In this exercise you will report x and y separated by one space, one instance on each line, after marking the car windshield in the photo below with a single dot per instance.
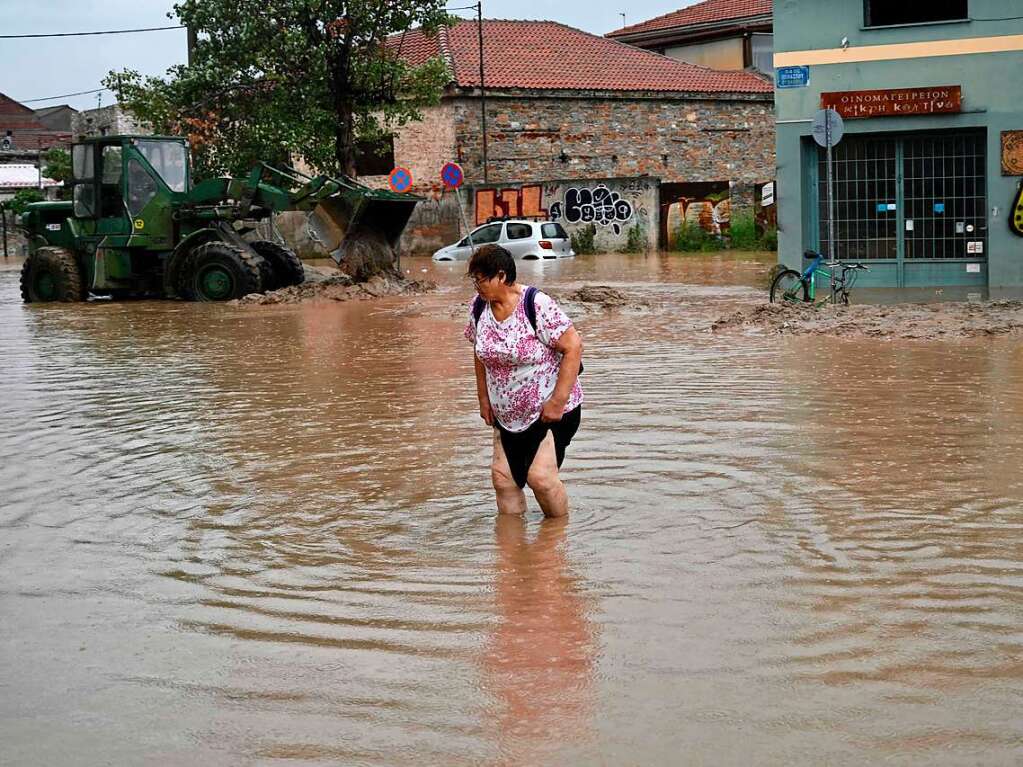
169 159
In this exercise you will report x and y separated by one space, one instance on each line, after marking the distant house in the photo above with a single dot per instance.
22 134
584 130
111 120
722 34
56 118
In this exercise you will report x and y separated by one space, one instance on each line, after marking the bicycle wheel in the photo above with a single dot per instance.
788 287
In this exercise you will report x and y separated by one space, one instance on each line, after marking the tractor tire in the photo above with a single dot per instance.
217 271
285 267
51 274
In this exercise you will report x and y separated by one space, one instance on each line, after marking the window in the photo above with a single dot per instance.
553 232
85 200
169 159
375 158
762 53
111 165
884 13
141 187
519 231
484 235
82 162
111 203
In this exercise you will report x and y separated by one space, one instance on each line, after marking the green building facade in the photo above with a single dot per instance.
927 173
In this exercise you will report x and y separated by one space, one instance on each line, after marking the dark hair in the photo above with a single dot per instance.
488 260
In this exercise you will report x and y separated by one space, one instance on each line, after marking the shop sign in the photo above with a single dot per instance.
897 102
1012 153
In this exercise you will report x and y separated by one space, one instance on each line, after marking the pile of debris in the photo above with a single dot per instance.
911 321
332 285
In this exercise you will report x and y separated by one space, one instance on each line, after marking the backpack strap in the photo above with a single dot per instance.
529 304
478 305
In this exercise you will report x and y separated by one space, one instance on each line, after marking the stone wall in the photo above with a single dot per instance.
106 121
536 138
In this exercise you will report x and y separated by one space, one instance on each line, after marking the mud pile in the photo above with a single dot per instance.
601 295
919 321
326 285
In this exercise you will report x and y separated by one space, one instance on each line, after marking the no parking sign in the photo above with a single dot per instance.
400 180
452 176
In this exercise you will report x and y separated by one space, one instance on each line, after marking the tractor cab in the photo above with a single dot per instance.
124 187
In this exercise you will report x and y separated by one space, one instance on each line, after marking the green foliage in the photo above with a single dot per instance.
275 78
744 235
57 165
21 200
695 239
636 242
582 240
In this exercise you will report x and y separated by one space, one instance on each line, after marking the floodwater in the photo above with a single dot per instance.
264 535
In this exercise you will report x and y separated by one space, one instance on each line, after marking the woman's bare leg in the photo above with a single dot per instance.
510 498
544 481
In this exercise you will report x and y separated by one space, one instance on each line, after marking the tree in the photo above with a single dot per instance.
57 165
21 200
274 78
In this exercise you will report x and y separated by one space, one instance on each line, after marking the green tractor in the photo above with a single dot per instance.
137 226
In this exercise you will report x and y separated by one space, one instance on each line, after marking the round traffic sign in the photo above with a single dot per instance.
452 176
400 180
828 127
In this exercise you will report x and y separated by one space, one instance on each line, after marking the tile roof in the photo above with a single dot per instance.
546 55
707 12
26 130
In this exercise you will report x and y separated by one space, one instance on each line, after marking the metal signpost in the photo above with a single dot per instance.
452 176
828 129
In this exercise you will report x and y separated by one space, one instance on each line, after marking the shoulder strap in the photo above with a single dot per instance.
478 305
529 304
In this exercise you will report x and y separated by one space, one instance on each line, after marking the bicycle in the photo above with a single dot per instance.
791 286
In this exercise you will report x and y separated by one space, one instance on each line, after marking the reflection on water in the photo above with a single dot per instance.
539 660
248 535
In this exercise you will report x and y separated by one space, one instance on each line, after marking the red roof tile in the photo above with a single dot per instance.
546 55
707 12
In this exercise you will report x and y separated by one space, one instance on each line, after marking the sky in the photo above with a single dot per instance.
39 68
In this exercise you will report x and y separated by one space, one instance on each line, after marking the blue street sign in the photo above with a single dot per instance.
792 77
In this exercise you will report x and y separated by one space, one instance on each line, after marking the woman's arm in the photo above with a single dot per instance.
570 345
486 411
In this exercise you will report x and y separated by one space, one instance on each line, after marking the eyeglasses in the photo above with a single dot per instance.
477 280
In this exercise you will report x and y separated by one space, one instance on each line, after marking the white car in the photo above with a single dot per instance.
527 240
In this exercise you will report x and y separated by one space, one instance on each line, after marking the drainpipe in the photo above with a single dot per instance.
483 87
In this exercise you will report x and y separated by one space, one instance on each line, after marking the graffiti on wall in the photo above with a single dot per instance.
514 202
598 205
703 205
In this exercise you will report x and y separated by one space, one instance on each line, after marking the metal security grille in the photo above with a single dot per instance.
945 200
865 183
936 210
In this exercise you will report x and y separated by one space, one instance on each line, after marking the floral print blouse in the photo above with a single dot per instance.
522 367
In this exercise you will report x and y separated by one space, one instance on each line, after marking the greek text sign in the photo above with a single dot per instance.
852 105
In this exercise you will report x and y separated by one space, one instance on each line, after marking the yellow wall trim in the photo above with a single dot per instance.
851 55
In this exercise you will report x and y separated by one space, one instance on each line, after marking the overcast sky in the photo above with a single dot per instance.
36 68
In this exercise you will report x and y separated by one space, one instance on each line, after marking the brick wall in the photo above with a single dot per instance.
423 147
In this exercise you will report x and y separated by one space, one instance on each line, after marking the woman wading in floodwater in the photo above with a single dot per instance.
528 360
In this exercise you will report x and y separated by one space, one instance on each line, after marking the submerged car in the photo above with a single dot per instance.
526 240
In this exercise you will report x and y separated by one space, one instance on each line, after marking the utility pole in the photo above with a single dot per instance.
191 44
483 88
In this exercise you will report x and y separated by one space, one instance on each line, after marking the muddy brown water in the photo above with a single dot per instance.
259 535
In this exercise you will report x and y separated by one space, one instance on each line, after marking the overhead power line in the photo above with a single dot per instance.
63 96
85 34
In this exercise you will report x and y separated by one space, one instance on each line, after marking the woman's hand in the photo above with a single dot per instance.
486 412
553 409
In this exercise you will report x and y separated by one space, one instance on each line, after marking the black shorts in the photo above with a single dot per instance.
521 447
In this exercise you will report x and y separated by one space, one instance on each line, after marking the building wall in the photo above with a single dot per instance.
716 54
105 121
990 102
550 139
614 206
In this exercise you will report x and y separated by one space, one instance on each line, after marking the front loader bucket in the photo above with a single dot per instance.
361 216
